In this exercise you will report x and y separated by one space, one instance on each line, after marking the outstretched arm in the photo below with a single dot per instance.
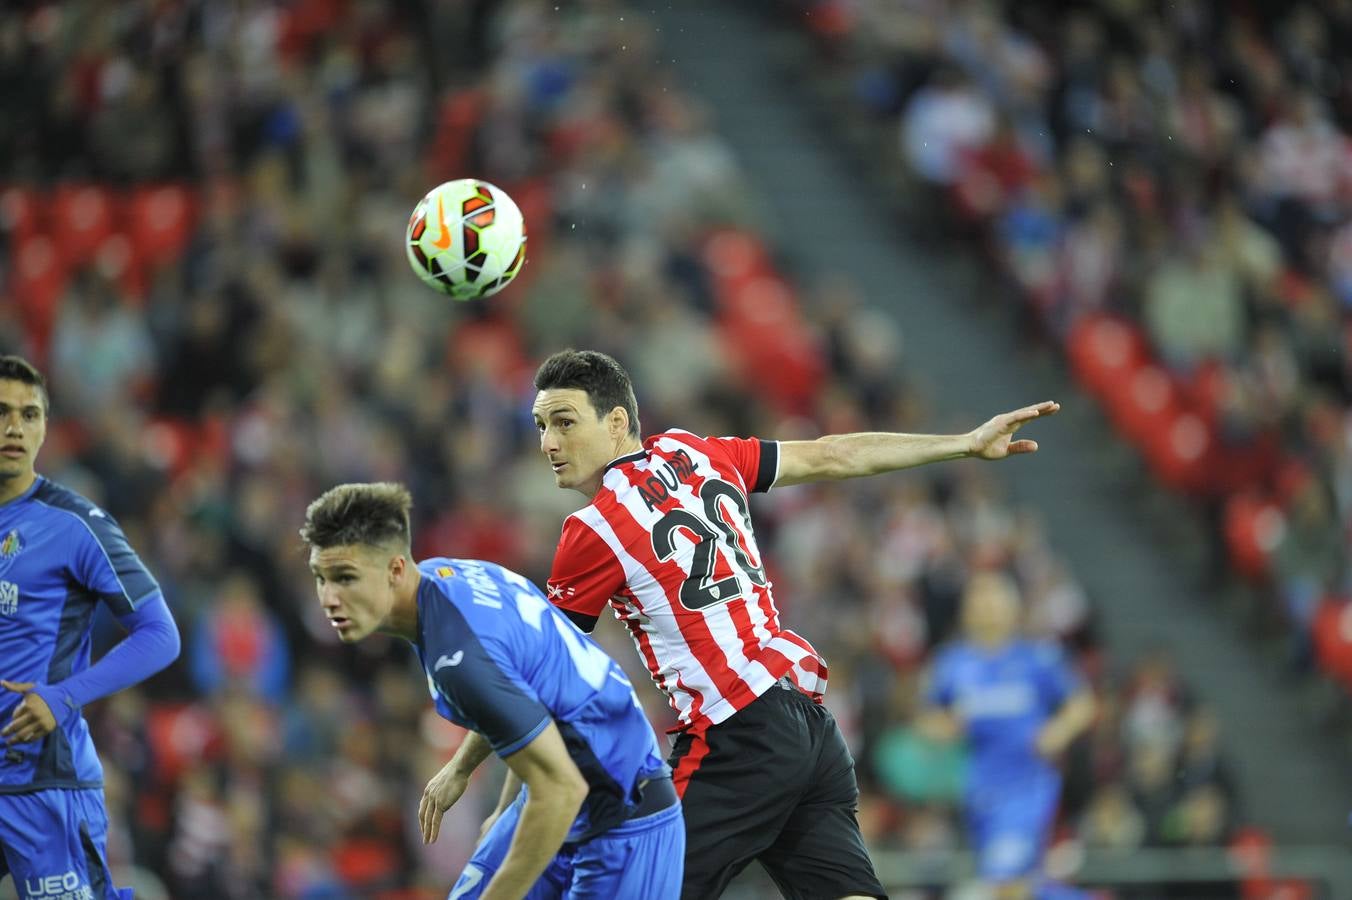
840 456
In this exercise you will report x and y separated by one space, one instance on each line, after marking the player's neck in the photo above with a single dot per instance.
16 486
623 448
403 618
626 445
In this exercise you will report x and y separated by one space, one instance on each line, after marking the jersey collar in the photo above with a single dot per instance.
32 489
628 457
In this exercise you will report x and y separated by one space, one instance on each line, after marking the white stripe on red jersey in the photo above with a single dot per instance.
667 541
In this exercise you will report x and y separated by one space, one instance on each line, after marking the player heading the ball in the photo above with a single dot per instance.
667 543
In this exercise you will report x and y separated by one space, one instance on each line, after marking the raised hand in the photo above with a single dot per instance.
994 439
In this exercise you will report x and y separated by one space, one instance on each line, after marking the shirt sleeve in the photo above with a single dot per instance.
501 708
585 574
152 643
756 460
106 564
1057 680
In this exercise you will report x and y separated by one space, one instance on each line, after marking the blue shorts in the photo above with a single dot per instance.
53 844
1010 827
644 858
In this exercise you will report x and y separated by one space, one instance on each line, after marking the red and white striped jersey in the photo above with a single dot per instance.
668 543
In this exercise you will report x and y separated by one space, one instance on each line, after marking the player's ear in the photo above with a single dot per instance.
397 565
618 422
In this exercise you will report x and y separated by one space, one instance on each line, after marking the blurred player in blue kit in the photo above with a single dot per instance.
588 809
1018 704
60 557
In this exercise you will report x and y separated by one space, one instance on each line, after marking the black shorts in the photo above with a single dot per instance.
774 783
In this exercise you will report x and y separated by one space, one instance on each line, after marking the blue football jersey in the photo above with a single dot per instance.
502 661
1004 697
60 556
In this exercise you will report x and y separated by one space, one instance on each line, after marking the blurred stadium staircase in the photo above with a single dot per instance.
1138 550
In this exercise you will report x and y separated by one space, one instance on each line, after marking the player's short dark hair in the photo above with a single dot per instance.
605 381
16 368
376 515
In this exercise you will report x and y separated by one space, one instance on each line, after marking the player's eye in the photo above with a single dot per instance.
31 415
565 423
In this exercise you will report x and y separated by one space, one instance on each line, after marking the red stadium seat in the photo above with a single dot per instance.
117 262
1332 633
180 736
457 121
22 212
1292 477
489 347
159 222
302 22
760 323
770 344
1253 462
1251 851
170 444
734 257
1143 402
81 220
37 282
1252 525
1206 389
1103 350
366 861
762 301
1179 453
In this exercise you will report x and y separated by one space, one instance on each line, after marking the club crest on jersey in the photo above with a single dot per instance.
10 547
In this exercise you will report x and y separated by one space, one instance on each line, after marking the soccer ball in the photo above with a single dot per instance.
466 238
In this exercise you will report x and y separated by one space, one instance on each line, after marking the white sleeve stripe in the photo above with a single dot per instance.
779 461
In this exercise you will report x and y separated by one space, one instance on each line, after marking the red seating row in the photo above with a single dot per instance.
128 235
1173 425
1109 356
767 340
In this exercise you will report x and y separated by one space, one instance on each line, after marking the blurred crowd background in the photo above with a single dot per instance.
1167 188
201 213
